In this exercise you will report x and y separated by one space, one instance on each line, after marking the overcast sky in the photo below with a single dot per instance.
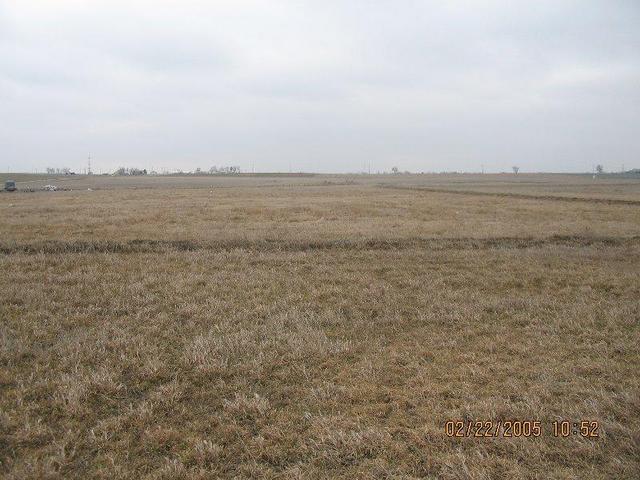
320 85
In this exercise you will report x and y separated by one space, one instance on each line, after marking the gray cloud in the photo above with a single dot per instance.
330 86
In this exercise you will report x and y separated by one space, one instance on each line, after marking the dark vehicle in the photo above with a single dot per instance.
10 186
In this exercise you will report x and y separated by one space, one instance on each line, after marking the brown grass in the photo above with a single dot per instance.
181 334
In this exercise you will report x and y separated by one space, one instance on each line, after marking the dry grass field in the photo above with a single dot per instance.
318 326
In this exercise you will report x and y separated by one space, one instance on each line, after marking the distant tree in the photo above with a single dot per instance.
515 169
395 170
599 169
213 169
229 170
130 171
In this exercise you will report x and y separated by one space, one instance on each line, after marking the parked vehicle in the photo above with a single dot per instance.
10 186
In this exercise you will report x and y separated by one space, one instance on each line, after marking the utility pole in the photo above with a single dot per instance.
89 165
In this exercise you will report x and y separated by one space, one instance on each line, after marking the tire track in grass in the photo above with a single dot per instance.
521 196
55 247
